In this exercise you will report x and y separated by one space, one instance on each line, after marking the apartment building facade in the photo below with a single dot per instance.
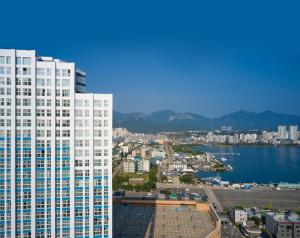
55 150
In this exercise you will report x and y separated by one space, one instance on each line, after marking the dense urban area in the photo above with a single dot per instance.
162 167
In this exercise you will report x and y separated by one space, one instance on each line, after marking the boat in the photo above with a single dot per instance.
223 159
230 167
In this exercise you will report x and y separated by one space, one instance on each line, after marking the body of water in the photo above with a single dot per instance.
260 164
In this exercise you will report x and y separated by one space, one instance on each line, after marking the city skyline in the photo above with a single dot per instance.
209 59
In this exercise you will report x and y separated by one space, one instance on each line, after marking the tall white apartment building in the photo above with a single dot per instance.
293 132
55 150
282 132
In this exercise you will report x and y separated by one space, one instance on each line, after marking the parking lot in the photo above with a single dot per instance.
283 199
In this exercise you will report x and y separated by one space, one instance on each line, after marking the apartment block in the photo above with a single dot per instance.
55 150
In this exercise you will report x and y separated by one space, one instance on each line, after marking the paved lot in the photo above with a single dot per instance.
180 221
259 198
161 221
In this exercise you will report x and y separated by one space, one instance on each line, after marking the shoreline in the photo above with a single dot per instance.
199 178
244 145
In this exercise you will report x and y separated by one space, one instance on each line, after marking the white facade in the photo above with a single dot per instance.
238 216
282 132
293 133
178 165
146 165
128 166
126 149
283 225
158 153
55 165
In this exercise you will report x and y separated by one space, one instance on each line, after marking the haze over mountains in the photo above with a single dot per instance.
169 120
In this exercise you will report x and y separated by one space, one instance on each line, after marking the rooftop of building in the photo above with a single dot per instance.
161 220
45 59
285 217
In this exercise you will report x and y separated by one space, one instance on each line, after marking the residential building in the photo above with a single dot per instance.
146 165
145 153
238 216
158 153
178 165
282 132
126 149
293 133
129 165
283 225
55 150
138 164
155 161
251 230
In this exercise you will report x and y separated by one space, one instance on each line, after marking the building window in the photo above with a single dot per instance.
40 72
8 59
26 71
65 93
19 60
66 72
40 82
97 103
27 61
2 70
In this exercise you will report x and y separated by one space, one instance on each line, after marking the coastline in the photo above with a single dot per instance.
243 145
259 164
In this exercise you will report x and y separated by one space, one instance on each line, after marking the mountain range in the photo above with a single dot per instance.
169 120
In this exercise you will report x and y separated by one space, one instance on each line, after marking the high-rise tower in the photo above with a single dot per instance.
55 150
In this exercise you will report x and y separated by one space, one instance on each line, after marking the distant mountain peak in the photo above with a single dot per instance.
181 116
170 120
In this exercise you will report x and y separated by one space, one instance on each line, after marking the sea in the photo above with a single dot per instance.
259 164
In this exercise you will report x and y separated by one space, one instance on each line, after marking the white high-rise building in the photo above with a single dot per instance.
55 150
293 132
282 132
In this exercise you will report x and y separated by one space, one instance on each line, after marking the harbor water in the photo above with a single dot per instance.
260 164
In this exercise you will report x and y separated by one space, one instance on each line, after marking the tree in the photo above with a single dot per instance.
187 178
256 220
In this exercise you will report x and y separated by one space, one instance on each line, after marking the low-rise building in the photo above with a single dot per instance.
145 153
178 165
251 230
155 161
283 225
126 149
146 165
128 166
136 181
138 164
238 216
158 153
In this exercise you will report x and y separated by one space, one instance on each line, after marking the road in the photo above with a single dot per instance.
169 155
164 167
213 199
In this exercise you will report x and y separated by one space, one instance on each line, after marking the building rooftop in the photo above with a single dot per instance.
285 217
168 221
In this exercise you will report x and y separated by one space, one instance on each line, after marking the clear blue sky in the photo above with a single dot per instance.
209 58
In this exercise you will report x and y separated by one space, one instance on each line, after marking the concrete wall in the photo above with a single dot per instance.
216 233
